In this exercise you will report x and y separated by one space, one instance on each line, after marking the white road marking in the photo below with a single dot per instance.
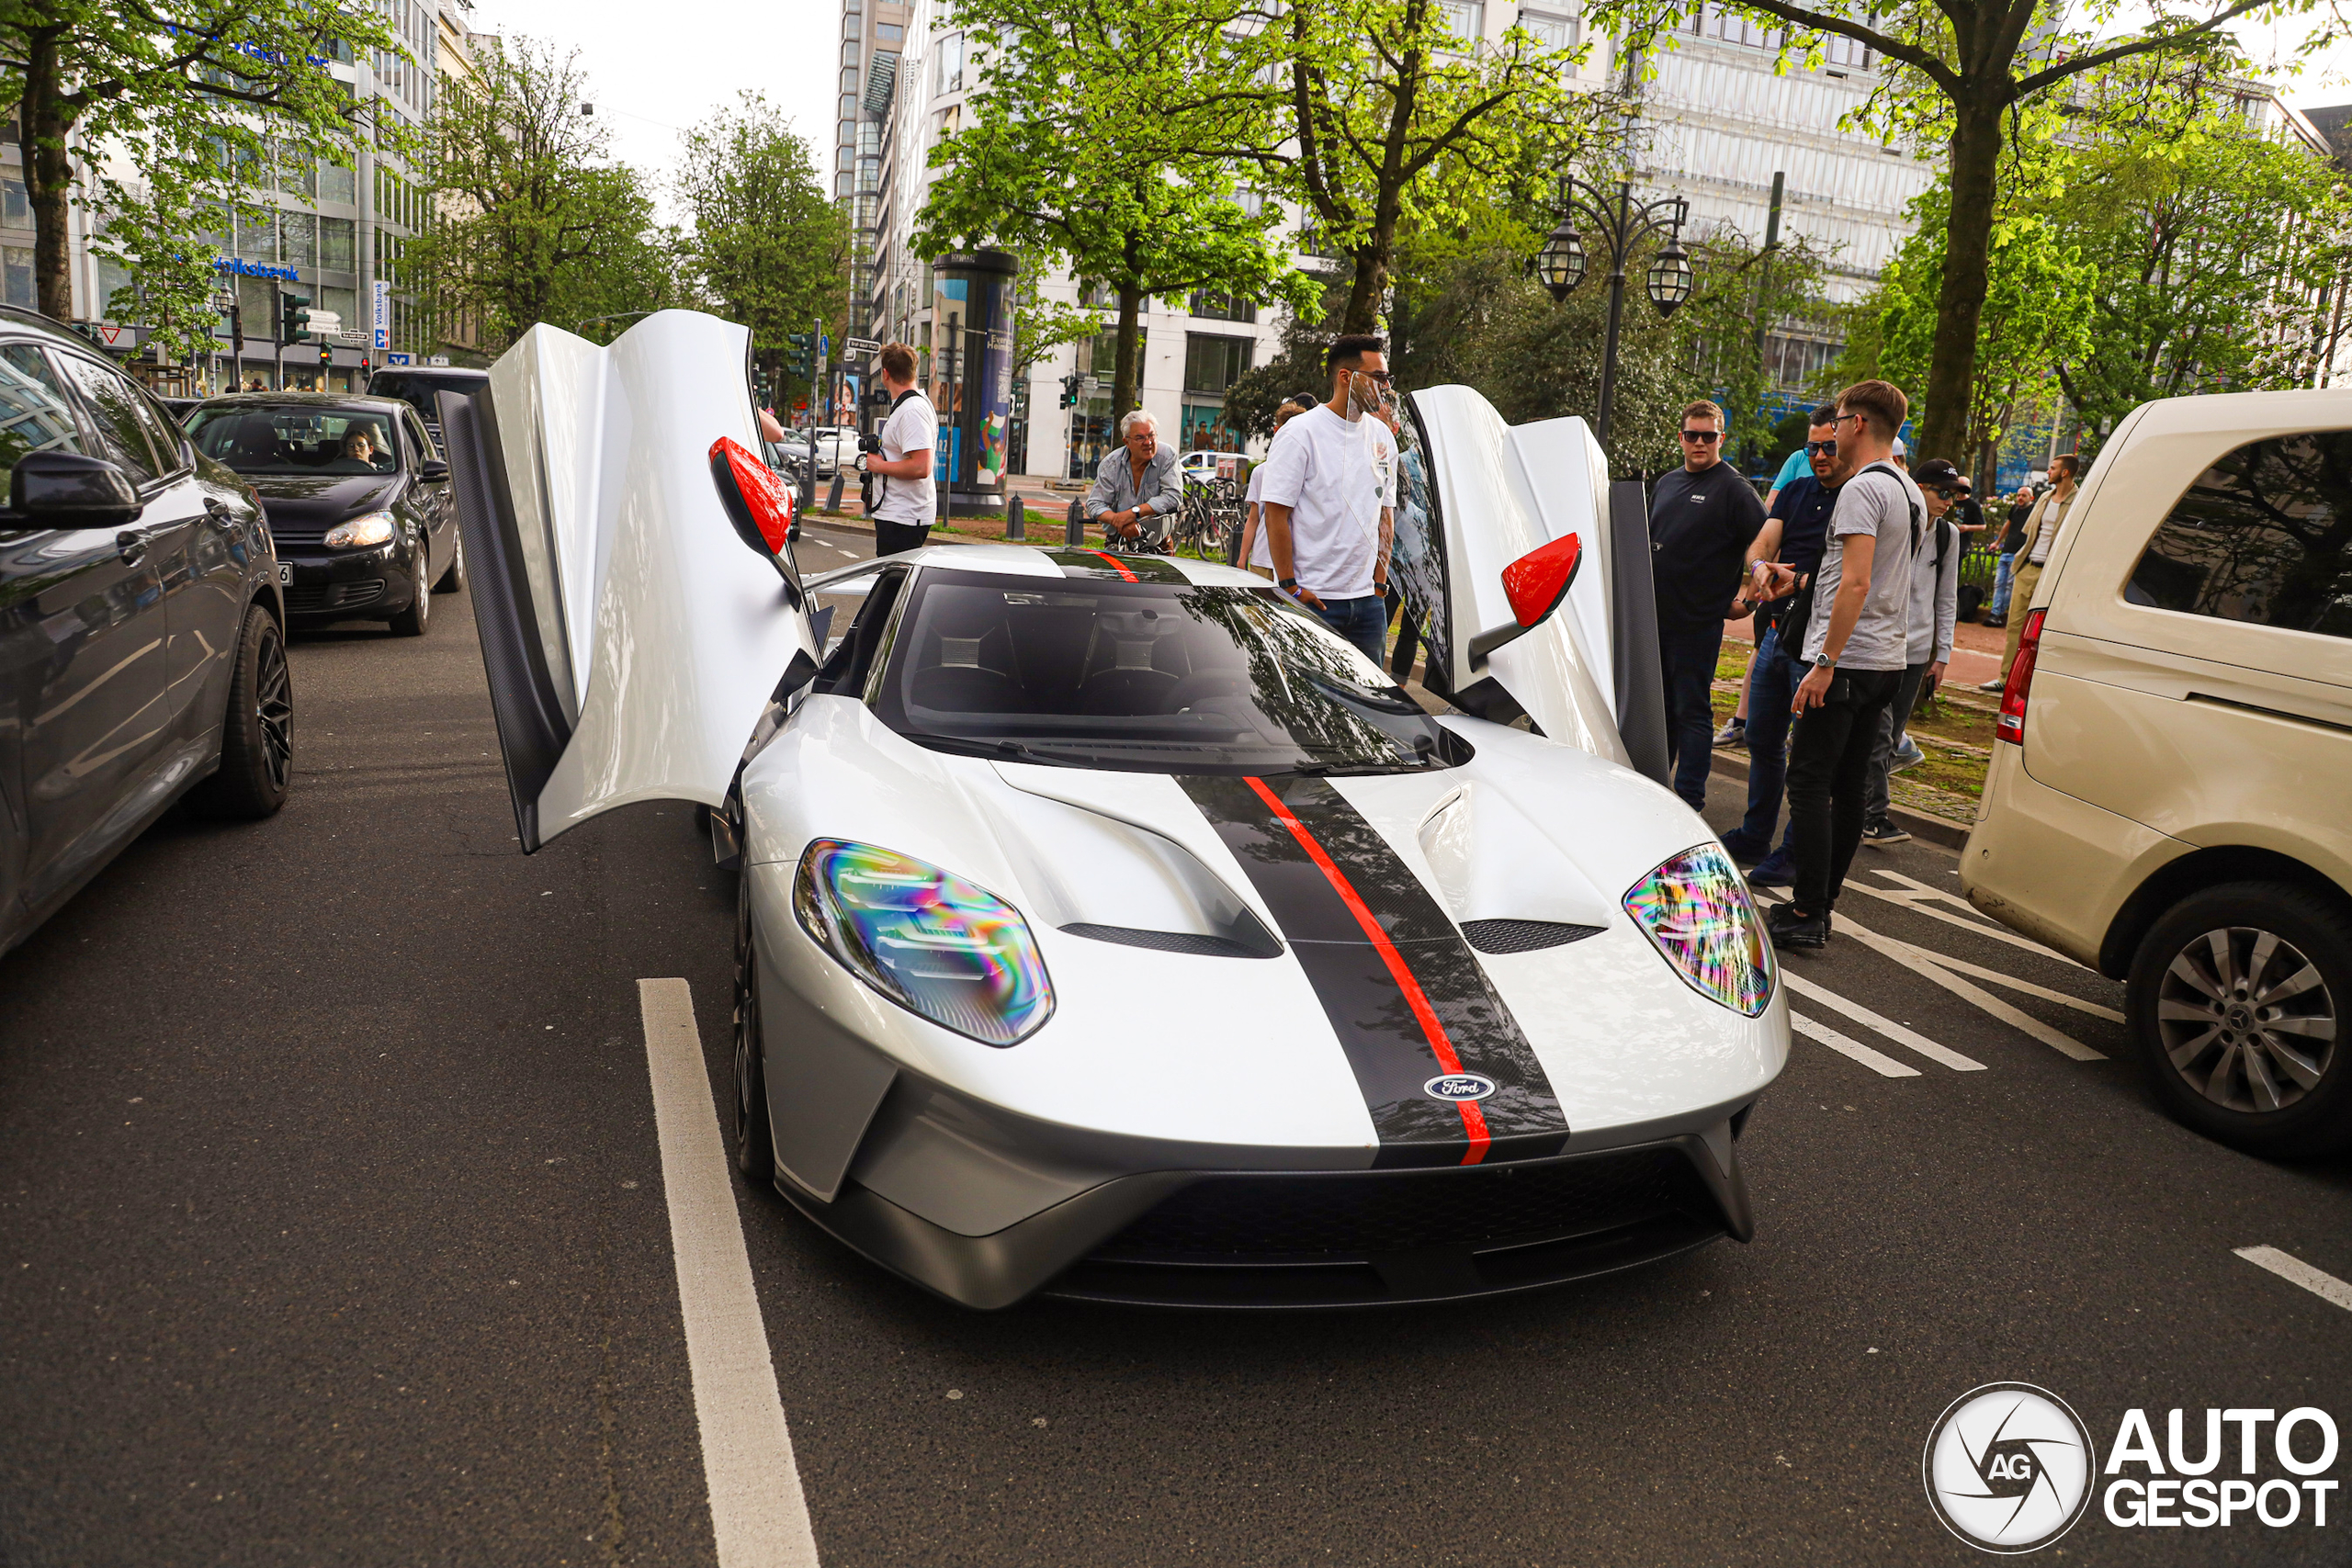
1946 961
2286 1266
1876 1061
757 1509
1885 1026
1922 903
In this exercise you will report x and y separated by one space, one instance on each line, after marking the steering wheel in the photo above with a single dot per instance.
1189 691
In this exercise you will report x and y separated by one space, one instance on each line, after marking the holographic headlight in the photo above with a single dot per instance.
932 942
1696 911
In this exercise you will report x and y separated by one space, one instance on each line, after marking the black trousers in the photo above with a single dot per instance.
1829 782
889 539
1686 657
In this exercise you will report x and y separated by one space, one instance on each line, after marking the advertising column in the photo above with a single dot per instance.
972 321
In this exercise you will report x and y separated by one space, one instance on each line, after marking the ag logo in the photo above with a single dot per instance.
1458 1086
2008 1467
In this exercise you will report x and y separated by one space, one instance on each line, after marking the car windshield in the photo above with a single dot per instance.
1149 676
296 439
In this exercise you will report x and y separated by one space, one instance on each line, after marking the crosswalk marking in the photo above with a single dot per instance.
1945 960
1884 1026
2286 1266
1923 905
1876 1061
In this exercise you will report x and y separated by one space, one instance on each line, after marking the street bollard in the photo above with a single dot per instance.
1016 517
1074 531
833 496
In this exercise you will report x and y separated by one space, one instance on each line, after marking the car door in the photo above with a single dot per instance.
631 639
86 636
430 494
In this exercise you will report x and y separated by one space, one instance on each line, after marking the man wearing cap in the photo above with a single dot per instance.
1935 605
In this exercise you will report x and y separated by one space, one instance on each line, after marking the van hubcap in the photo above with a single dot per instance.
2247 1020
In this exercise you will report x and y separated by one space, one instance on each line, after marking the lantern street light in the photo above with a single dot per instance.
1620 225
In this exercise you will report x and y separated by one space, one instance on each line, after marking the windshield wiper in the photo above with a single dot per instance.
969 745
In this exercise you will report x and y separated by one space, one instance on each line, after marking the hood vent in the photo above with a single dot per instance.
1524 936
1252 941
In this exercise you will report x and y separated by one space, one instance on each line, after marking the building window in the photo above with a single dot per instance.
2263 536
948 72
1551 32
15 210
888 32
1213 364
849 25
1466 19
298 240
1223 307
17 266
337 183
258 235
337 253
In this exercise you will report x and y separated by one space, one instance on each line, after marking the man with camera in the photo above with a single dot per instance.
901 458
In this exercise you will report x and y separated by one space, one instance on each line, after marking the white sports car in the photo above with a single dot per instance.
1110 928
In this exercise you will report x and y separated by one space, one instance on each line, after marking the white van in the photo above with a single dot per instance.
2170 798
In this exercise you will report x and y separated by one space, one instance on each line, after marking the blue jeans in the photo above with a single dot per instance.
2003 577
1363 622
1770 689
1686 658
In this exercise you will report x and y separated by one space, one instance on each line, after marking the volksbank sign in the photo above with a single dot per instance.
255 269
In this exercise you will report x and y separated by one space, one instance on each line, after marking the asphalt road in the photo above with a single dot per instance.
333 1231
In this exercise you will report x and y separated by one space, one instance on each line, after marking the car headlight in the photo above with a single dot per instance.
374 528
1696 912
930 942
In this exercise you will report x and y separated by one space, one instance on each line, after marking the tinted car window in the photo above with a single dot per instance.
421 389
303 439
162 431
2264 535
34 413
114 408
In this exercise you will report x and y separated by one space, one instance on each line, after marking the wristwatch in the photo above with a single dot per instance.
1287 585
1825 661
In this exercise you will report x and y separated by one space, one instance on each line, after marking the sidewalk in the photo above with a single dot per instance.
1976 651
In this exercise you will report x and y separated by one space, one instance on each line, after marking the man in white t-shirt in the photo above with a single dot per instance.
1325 501
1253 551
910 437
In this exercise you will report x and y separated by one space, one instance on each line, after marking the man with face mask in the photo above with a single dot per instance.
1325 501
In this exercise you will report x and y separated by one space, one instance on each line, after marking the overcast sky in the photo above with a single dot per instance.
656 68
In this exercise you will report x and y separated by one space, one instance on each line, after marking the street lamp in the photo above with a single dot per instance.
1620 225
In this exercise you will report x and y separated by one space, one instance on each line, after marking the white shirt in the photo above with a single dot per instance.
1327 472
912 427
1384 459
1261 553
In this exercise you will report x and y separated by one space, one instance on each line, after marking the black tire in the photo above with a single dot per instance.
2236 1002
754 1137
418 617
256 730
454 579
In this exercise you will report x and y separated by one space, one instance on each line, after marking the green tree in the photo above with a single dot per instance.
534 224
180 84
1124 171
770 247
1960 72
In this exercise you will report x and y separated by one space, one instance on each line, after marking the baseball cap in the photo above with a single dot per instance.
1901 450
1936 472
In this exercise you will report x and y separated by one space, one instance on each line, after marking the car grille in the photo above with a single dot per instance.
316 598
1524 936
1359 1238
306 534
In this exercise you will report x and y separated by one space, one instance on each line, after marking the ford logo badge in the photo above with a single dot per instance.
1458 1086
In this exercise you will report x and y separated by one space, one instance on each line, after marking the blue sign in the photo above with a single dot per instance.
256 269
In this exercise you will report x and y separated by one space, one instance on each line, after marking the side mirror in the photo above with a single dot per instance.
432 469
759 504
1534 583
70 489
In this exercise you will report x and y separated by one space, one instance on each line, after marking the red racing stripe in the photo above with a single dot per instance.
1116 562
1473 1122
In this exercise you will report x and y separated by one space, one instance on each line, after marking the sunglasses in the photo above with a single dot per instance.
1945 490
1821 448
1706 437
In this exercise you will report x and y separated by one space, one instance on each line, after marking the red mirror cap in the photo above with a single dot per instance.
757 499
1538 580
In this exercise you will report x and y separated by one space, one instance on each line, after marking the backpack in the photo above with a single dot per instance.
1793 627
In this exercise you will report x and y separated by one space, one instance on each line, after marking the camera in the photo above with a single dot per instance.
869 444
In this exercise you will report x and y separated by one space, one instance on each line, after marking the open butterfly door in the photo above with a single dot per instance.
634 618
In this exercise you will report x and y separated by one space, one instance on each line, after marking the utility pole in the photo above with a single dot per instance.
1764 281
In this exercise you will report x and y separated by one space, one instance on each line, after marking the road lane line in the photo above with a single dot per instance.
1913 902
1945 960
2286 1266
1876 1061
757 1509
1886 1026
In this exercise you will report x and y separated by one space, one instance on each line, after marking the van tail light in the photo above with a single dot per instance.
2010 725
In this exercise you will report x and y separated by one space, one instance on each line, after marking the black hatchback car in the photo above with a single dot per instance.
357 496
142 646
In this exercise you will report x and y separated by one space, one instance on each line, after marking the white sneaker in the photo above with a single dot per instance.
1906 755
1997 683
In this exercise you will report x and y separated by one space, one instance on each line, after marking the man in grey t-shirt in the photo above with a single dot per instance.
1857 641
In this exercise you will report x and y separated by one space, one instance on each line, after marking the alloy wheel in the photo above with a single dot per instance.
274 705
2246 1019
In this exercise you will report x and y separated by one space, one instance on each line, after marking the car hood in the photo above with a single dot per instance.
299 505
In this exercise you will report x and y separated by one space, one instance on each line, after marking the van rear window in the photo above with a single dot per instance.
2264 535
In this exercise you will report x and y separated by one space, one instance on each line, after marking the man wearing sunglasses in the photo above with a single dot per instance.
1702 517
1326 504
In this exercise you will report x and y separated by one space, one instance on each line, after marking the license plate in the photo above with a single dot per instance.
285 572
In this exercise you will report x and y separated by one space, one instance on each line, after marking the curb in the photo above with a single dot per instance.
1920 824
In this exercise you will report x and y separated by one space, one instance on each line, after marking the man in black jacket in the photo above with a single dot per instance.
1702 517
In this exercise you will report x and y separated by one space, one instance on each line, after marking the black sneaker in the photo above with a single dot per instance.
1789 929
1884 833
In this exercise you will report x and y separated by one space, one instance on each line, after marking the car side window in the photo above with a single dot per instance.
2263 536
113 403
34 413
162 431
417 437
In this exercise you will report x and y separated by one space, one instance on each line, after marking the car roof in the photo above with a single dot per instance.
464 372
49 327
1050 561
373 405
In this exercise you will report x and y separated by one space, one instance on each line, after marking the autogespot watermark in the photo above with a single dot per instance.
2009 1468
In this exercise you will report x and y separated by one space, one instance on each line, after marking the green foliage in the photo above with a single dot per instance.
770 246
1741 293
534 225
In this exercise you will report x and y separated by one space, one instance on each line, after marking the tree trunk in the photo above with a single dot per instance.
1125 371
1975 152
49 174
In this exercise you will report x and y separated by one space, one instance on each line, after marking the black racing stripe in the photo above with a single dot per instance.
1386 1047
1094 563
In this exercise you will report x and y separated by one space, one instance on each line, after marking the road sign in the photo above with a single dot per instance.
390 358
438 359
859 345
324 323
382 317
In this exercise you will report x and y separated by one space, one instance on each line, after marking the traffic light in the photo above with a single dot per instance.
326 353
366 365
800 355
290 308
1069 391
